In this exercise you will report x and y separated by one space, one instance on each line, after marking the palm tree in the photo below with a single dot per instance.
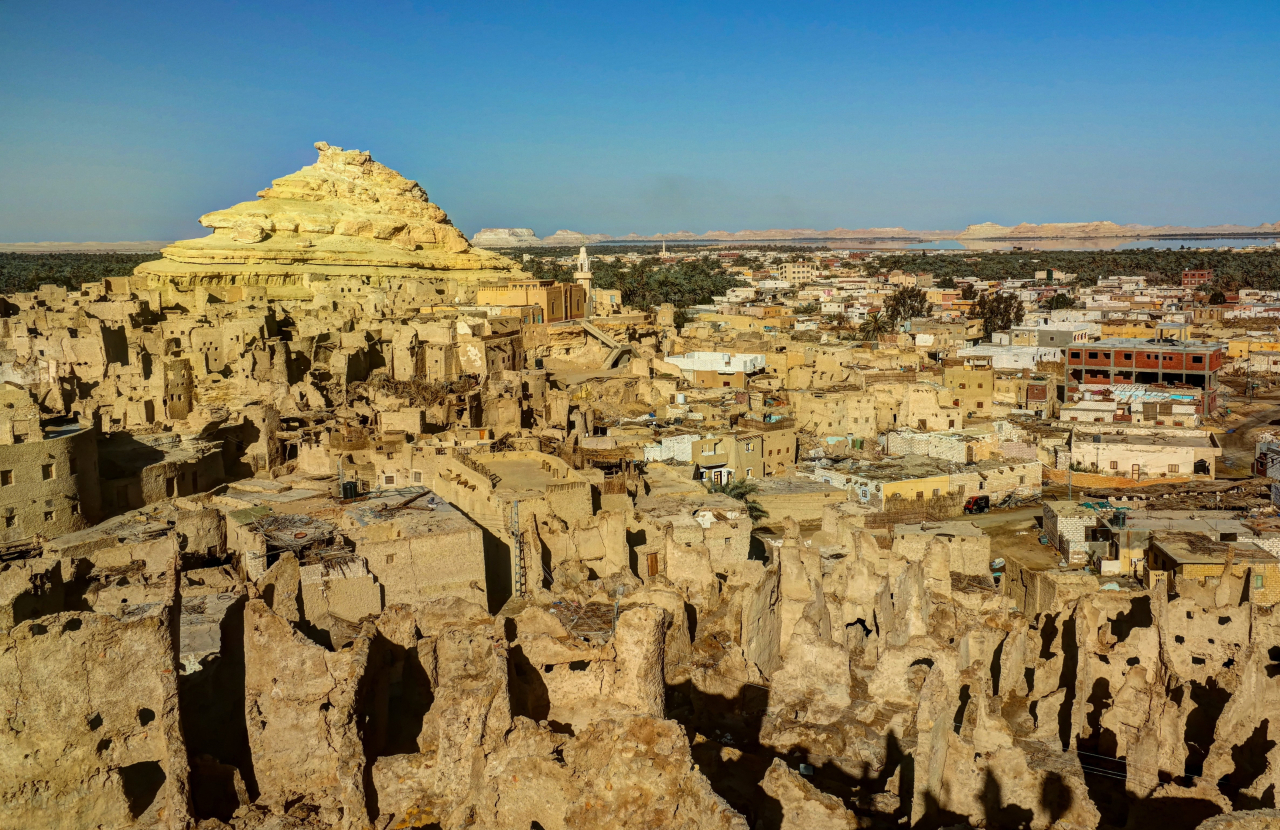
875 325
741 489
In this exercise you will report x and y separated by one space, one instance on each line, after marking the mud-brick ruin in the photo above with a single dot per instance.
302 529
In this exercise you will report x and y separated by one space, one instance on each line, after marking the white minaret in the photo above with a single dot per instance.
583 278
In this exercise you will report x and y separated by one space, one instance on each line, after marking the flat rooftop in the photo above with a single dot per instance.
530 473
908 467
1191 548
1138 343
1150 440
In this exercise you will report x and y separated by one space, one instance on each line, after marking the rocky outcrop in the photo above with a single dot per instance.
1243 820
346 216
574 238
505 238
804 806
524 237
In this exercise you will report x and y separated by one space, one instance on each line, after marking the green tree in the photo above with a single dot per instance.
875 325
906 304
968 292
648 282
947 282
1059 301
1217 297
808 308
741 489
998 312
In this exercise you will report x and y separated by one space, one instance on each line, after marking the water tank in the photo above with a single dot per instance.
349 490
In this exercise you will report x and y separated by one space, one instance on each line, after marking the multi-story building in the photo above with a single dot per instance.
1122 361
558 300
797 271
1195 279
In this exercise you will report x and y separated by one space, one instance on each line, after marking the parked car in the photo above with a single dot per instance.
977 504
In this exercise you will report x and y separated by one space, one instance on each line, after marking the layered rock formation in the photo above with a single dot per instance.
345 217
563 237
525 237
1106 230
505 237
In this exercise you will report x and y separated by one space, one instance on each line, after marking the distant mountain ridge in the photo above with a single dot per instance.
507 237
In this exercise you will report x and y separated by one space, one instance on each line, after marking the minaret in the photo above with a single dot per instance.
583 278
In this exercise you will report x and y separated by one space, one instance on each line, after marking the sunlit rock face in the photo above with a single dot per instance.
346 216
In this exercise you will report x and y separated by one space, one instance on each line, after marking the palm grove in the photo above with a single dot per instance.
998 312
649 282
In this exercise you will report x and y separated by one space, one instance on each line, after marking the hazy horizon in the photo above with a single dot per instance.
129 122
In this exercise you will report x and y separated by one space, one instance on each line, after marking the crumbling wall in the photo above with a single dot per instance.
91 734
300 705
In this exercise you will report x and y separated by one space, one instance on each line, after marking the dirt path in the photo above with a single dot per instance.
1237 445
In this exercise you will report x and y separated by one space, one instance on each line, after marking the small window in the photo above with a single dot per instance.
1115 465
936 492
46 471
75 508
1173 468
979 385
391 558
962 386
1257 578
1075 355
979 404
1128 355
1093 355
1195 358
417 476
1022 479
73 466
8 521
388 479
6 478
48 515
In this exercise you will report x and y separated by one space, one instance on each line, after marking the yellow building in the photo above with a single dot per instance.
558 300
972 388
746 322
1145 330
745 453
1207 559
1238 347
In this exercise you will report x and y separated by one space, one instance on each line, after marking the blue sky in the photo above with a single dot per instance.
127 121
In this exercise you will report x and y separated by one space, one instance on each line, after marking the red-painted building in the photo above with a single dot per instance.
1195 279
1130 360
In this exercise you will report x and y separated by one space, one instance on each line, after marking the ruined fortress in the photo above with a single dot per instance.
300 532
